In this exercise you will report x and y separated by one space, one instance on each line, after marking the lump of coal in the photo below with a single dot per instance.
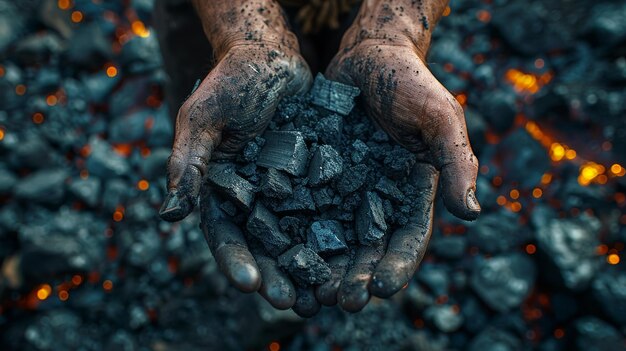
300 201
236 189
329 129
45 186
325 166
333 96
352 179
370 220
285 151
326 237
503 282
276 184
304 265
609 292
263 225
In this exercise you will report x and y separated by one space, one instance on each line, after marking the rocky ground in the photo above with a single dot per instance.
87 264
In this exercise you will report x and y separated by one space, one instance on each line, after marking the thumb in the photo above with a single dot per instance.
451 153
186 167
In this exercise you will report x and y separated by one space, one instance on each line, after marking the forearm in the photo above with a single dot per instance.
397 22
229 23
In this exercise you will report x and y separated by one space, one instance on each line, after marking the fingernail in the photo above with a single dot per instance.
173 209
472 202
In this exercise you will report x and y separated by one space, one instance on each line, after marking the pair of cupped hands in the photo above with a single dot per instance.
235 103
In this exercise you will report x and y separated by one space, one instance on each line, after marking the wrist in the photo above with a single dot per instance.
232 23
403 24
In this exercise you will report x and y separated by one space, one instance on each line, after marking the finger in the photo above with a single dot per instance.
306 305
326 293
407 245
276 287
187 164
451 153
228 245
353 292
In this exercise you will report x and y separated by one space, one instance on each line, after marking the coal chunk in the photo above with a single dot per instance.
360 151
304 265
329 129
263 225
285 151
388 190
326 237
87 190
569 246
503 282
276 184
370 219
353 179
333 96
236 189
609 292
300 200
325 165
593 334
104 162
46 186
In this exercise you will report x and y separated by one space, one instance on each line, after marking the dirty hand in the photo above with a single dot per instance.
383 54
257 63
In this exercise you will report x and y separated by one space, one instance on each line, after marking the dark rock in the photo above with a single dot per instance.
276 184
236 189
285 151
370 219
570 247
593 334
435 278
7 181
89 47
360 151
46 186
325 165
388 190
251 151
499 108
87 190
301 200
292 226
154 165
450 247
39 48
503 282
609 292
333 96
323 198
326 237
104 162
398 162
329 129
497 232
140 55
492 339
130 127
445 317
304 266
263 225
352 179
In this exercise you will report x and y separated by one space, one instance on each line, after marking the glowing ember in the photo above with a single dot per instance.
44 292
51 100
591 171
537 193
531 249
140 29
64 4
38 118
274 346
526 82
64 295
1 134
77 16
107 285
143 185
111 71
20 89
612 259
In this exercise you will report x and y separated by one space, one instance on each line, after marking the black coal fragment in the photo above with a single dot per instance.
325 165
263 225
326 237
300 201
329 129
388 190
304 265
333 96
323 198
285 151
360 152
276 184
370 219
236 189
352 179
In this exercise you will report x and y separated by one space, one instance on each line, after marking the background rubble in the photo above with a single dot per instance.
84 136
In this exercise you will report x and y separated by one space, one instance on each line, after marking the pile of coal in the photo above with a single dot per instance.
322 179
